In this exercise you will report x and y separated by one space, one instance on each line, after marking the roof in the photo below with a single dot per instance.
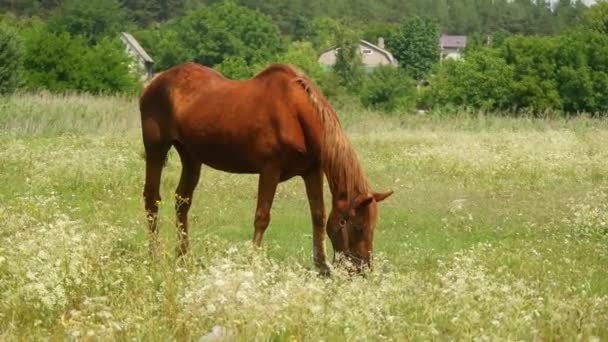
388 55
379 49
448 41
134 44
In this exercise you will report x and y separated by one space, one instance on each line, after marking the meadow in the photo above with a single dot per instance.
498 230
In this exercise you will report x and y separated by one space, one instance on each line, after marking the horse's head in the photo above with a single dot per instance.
350 227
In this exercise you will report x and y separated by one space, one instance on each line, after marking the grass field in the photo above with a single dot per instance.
498 229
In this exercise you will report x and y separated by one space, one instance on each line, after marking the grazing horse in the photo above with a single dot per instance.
276 124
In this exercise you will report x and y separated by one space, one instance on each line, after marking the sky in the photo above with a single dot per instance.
588 2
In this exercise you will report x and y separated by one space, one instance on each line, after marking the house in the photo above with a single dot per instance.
142 60
371 55
452 46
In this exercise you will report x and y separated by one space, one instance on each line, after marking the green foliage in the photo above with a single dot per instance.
147 12
59 62
389 89
482 80
235 68
582 71
11 59
348 67
321 31
380 30
415 46
567 72
165 47
211 34
303 56
216 32
292 17
534 61
93 20
596 18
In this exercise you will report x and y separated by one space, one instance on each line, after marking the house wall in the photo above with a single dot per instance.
143 68
372 59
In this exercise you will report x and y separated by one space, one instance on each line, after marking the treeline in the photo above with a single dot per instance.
522 55
453 16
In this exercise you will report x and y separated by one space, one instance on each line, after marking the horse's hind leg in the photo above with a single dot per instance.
191 170
155 159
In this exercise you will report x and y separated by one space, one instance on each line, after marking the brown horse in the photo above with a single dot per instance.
276 124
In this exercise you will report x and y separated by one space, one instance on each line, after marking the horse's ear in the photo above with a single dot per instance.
363 201
381 196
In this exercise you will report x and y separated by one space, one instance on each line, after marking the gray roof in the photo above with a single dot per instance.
448 41
134 44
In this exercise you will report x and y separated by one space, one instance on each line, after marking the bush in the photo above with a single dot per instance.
60 62
534 79
389 89
482 80
10 60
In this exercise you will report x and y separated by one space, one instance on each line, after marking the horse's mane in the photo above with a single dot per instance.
340 162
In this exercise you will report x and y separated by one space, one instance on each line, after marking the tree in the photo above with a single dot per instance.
303 56
596 18
348 67
59 62
142 12
482 80
321 31
93 20
534 78
235 68
214 33
10 60
416 46
165 46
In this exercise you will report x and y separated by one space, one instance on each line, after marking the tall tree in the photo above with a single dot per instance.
10 60
416 46
596 17
93 20
211 34
348 65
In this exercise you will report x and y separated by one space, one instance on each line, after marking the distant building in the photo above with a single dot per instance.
143 61
371 55
452 46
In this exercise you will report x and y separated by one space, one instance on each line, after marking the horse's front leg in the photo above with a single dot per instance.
267 186
191 171
314 191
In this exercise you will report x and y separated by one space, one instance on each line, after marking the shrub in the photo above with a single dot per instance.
389 89
60 62
482 80
10 60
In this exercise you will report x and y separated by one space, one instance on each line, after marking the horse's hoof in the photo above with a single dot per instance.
324 270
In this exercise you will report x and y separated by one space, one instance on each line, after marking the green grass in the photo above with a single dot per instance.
497 230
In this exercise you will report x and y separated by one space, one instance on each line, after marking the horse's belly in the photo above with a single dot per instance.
249 160
227 158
